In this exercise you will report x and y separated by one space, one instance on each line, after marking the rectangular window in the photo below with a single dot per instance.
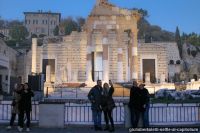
33 21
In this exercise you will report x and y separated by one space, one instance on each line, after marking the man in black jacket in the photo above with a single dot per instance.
134 104
145 99
25 106
95 97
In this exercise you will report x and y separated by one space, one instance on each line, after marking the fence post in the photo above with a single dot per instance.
47 95
123 92
76 92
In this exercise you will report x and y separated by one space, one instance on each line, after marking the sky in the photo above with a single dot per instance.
168 14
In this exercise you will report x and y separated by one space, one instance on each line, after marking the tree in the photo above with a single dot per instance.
56 31
150 32
178 41
18 33
14 23
70 26
2 23
80 22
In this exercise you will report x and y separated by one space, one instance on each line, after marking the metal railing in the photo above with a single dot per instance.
81 113
174 114
6 110
158 115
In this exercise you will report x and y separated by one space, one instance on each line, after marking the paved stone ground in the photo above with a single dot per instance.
71 129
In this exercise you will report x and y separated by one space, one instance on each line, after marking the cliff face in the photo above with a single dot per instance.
191 61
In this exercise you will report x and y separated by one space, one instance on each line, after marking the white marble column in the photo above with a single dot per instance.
89 58
69 72
105 60
48 74
34 55
120 66
147 78
134 60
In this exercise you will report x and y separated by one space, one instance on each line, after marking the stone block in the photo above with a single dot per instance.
52 115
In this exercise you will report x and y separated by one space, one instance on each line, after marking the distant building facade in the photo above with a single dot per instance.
5 32
41 23
8 66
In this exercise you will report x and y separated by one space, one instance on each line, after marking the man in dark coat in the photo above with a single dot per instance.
95 97
145 103
134 104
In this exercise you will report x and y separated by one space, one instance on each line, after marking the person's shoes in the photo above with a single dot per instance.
28 129
8 127
112 129
96 128
100 129
106 128
19 129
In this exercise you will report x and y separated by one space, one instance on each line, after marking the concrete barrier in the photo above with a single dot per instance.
51 115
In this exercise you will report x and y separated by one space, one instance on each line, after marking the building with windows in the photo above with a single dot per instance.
5 32
41 23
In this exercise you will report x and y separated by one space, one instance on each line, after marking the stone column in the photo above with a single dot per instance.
34 55
48 73
162 78
89 58
48 86
120 66
69 72
147 78
105 60
134 59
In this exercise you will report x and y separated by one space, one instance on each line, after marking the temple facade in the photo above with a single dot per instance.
107 48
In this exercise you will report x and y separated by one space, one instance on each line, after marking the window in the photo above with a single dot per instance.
36 21
46 21
33 21
42 21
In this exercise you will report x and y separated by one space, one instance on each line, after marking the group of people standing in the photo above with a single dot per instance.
101 100
21 106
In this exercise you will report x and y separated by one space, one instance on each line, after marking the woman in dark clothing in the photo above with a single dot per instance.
15 103
107 105
25 106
